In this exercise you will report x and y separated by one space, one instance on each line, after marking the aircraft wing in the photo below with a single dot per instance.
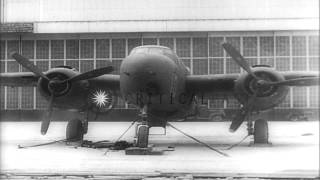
224 83
30 79
18 79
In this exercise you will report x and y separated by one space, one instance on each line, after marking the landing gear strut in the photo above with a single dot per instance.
142 130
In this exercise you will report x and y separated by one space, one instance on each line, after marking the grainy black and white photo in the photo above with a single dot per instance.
159 89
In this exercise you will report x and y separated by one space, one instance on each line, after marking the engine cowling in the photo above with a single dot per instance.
265 97
69 95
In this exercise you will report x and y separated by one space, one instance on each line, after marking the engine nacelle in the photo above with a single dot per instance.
69 95
267 97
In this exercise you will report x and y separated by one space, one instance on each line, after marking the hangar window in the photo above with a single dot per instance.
55 63
299 63
282 46
102 48
132 43
299 98
215 48
102 63
183 47
252 61
314 63
28 49
200 66
116 64
231 66
168 42
2 49
86 48
42 49
299 47
267 61
42 65
285 103
118 48
250 46
235 42
12 98
149 41
283 64
86 65
2 96
186 62
313 45
12 45
41 102
216 65
72 48
12 66
200 47
57 49
266 46
73 64
2 66
314 96
27 98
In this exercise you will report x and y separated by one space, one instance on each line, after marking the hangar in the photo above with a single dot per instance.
86 35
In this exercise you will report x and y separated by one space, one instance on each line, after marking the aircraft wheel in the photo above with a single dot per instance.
75 130
261 134
143 136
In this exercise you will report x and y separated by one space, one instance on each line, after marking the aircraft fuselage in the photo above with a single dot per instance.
153 76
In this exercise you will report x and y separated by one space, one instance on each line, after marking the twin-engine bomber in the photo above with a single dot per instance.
155 80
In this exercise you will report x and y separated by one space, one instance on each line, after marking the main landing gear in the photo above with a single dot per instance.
76 128
260 131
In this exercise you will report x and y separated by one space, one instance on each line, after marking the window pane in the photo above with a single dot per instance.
118 48
149 41
216 103
216 66
27 98
168 42
314 45
250 46
200 66
299 97
314 96
12 45
267 61
12 97
231 66
57 49
102 48
282 64
299 47
72 48
55 63
186 62
42 65
215 48
2 49
2 96
73 64
235 42
28 49
282 46
2 66
314 63
86 65
12 66
116 64
299 63
266 46
183 47
252 61
285 103
42 49
42 103
132 43
86 48
200 47
102 63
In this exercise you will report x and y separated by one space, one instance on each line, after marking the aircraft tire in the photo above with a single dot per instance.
75 130
143 136
261 132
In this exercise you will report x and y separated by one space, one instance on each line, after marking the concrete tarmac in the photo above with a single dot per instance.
294 151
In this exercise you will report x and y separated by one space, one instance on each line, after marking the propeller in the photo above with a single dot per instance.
261 83
55 84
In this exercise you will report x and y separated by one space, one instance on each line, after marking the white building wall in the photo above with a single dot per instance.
65 16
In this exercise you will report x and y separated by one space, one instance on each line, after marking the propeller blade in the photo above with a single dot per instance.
46 121
309 81
92 74
238 120
28 65
238 58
